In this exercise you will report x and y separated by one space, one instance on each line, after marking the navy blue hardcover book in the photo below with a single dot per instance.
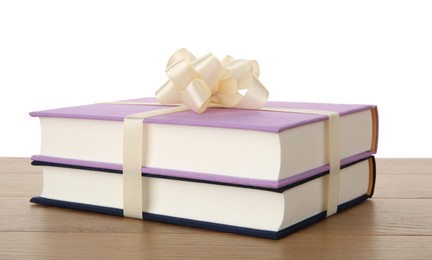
227 207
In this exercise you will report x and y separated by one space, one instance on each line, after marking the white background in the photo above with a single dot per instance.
65 53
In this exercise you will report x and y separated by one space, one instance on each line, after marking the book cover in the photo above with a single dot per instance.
247 119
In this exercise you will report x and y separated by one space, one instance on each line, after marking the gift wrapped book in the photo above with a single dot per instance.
204 155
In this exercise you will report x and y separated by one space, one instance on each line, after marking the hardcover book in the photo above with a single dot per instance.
248 210
232 145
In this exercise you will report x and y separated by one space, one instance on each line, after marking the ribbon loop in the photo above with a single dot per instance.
181 73
255 96
202 82
168 94
208 68
241 70
197 95
180 55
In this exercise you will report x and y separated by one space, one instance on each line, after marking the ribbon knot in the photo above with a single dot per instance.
205 82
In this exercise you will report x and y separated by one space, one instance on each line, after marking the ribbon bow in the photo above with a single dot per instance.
202 82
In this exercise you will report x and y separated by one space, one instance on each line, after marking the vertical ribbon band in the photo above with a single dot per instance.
134 155
333 153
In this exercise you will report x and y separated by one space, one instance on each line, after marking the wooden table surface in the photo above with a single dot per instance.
395 224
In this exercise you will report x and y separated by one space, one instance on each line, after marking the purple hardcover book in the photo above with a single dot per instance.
362 122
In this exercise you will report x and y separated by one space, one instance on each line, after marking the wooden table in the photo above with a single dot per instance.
395 224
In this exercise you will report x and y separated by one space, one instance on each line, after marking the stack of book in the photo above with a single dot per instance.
254 172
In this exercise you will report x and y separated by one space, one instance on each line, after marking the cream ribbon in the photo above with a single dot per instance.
134 158
333 153
197 84
202 82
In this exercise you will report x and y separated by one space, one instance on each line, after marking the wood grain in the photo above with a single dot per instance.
395 224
